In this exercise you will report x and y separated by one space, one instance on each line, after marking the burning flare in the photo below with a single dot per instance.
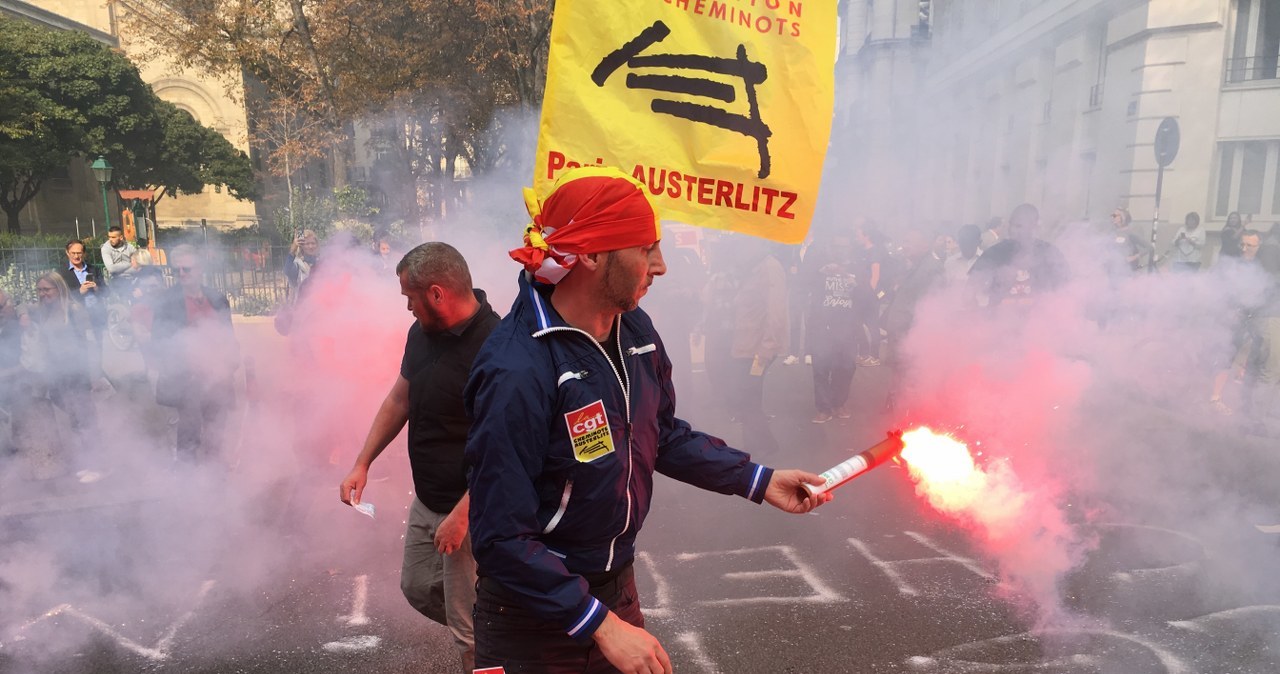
947 476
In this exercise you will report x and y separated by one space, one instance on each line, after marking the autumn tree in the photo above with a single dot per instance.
429 75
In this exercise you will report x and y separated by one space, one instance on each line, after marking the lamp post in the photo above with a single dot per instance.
102 171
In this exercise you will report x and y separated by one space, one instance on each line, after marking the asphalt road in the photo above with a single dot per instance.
873 582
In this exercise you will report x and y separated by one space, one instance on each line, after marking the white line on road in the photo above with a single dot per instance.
693 642
353 644
159 652
358 603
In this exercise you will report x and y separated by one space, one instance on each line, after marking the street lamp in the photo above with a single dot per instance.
102 171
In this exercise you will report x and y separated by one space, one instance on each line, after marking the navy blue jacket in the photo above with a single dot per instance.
563 450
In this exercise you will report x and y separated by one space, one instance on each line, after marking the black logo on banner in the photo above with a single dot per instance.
752 73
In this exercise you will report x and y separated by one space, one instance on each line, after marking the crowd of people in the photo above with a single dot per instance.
847 296
52 364
533 438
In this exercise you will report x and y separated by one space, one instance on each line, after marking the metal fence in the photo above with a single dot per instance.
251 276
1250 68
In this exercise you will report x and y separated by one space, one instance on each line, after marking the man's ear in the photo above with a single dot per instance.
591 261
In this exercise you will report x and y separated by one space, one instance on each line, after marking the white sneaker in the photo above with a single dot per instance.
790 360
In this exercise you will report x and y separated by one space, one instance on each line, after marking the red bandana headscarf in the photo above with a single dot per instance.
592 209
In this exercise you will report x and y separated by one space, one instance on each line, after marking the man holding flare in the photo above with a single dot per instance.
574 411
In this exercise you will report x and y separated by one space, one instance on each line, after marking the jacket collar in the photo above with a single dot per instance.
541 315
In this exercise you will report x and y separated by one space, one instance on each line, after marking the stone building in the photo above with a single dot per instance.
956 110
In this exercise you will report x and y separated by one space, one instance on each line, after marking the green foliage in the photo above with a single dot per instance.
18 285
13 241
316 212
249 304
65 95
353 202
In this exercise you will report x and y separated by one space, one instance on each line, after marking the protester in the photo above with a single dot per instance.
1129 248
959 262
760 333
1018 270
1233 361
10 370
833 320
1187 252
1230 236
991 235
868 292
574 411
926 270
63 365
800 274
196 356
438 575
717 322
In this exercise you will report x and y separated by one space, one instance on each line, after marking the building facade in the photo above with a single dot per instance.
75 196
1056 102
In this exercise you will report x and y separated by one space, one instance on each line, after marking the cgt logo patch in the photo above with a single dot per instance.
589 432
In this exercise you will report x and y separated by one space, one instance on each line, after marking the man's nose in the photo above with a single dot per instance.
657 265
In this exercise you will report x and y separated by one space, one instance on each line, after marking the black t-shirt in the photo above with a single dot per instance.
1011 274
437 366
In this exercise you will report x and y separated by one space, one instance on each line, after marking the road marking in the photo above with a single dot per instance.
159 652
661 590
693 642
821 593
1203 623
890 567
1184 569
359 601
947 555
955 658
353 644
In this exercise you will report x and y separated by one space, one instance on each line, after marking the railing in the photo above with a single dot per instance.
1253 68
251 276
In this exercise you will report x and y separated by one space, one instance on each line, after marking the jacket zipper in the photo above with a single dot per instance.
624 382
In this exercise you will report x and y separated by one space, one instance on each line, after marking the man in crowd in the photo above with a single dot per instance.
118 254
833 318
83 284
196 357
760 335
574 411
1235 271
1021 268
452 321
1188 245
961 260
1128 249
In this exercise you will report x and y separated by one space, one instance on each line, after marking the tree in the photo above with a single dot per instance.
66 95
191 156
430 75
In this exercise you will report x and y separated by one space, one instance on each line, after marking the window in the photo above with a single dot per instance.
1255 49
1249 179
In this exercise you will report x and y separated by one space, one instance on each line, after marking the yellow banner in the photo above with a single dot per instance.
723 108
